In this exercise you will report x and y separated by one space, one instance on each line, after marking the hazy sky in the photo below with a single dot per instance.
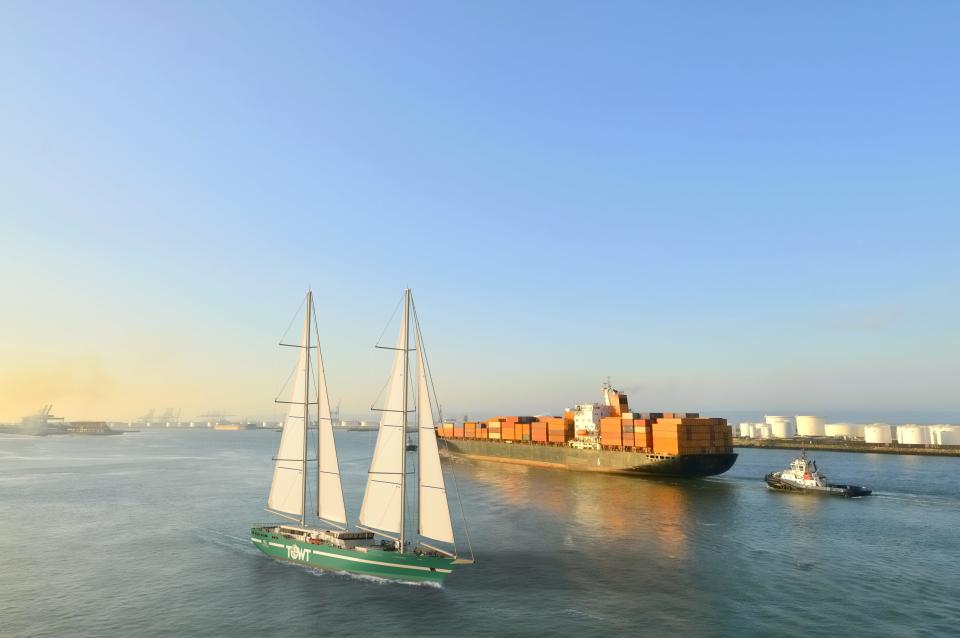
742 205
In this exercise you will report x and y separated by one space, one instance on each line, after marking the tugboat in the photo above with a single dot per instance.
803 476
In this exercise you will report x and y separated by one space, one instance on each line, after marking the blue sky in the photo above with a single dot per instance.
721 206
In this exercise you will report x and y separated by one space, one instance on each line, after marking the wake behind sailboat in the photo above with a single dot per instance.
380 546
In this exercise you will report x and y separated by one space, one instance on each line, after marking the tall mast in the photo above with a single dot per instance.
306 409
420 360
403 432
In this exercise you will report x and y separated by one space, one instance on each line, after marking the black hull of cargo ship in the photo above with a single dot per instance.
606 461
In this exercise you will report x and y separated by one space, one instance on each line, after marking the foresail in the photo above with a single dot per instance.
382 507
434 511
286 489
329 491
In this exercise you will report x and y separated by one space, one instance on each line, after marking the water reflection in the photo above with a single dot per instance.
654 516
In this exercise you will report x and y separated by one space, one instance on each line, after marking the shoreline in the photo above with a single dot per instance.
845 446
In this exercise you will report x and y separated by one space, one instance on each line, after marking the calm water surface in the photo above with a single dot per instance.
146 534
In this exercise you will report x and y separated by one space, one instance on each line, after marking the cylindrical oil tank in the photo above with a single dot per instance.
763 431
949 435
746 430
844 430
912 434
771 419
878 433
810 426
781 430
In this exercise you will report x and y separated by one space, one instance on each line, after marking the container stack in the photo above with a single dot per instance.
611 432
667 433
508 429
523 431
559 430
693 435
538 431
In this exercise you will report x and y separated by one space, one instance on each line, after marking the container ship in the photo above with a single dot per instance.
600 437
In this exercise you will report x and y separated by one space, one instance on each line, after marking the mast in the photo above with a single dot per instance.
306 411
403 446
416 323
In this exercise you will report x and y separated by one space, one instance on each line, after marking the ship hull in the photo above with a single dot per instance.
775 482
372 562
604 461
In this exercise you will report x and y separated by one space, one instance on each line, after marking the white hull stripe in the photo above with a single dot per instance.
256 540
364 560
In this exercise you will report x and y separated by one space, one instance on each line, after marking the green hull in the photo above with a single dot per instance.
371 561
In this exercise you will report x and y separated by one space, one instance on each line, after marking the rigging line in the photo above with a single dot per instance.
321 371
285 384
293 318
463 517
426 361
382 332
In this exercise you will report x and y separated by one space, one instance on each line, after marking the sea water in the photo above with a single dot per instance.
147 534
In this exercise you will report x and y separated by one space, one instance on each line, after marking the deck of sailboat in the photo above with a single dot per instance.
340 539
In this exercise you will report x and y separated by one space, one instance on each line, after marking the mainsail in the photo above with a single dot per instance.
383 500
434 511
329 492
289 474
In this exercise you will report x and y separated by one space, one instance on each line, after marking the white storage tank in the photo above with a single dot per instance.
912 434
949 435
746 430
781 430
771 419
878 433
936 433
810 426
844 430
763 431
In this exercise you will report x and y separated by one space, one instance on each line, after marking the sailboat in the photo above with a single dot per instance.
380 545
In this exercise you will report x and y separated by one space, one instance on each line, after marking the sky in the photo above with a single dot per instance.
719 206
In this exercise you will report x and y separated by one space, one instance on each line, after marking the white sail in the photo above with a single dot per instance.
286 489
329 491
383 500
434 511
